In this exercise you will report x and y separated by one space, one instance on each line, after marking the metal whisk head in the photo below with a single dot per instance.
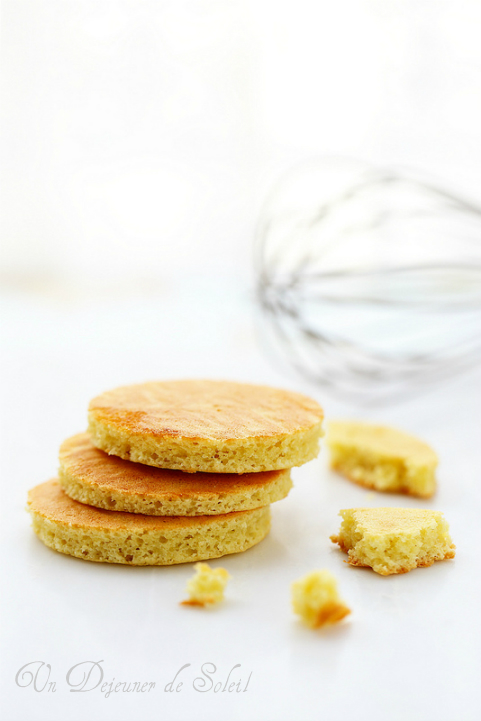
370 281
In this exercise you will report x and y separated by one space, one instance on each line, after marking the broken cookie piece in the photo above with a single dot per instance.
394 540
382 458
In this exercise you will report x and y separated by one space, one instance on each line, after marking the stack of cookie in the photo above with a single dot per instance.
175 471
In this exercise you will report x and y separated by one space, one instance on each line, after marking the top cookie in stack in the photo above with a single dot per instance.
208 426
206 458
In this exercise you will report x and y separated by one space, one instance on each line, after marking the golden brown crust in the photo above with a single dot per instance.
49 500
207 426
331 613
420 562
91 476
205 409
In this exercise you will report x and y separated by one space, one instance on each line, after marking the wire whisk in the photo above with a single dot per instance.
370 280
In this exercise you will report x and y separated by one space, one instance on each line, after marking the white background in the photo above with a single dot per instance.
140 138
139 141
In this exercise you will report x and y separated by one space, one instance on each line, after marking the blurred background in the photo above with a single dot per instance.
141 139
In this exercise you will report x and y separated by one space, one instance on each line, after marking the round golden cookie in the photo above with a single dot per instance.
93 477
98 535
209 426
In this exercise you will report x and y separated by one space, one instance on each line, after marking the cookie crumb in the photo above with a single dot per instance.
315 598
206 586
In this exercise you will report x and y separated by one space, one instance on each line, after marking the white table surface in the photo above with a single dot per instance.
409 651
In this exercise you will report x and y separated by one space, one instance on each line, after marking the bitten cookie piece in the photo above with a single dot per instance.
382 458
316 600
394 540
206 586
94 534
205 425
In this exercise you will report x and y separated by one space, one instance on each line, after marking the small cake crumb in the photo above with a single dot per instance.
316 600
206 586
394 540
382 458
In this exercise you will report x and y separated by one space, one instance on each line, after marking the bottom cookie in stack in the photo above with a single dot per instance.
100 535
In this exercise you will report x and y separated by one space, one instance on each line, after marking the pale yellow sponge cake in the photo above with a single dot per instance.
206 425
91 476
99 535
382 458
315 599
207 586
394 540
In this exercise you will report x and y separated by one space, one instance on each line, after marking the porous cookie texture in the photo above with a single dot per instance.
91 476
316 599
205 425
207 586
394 540
382 458
95 534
